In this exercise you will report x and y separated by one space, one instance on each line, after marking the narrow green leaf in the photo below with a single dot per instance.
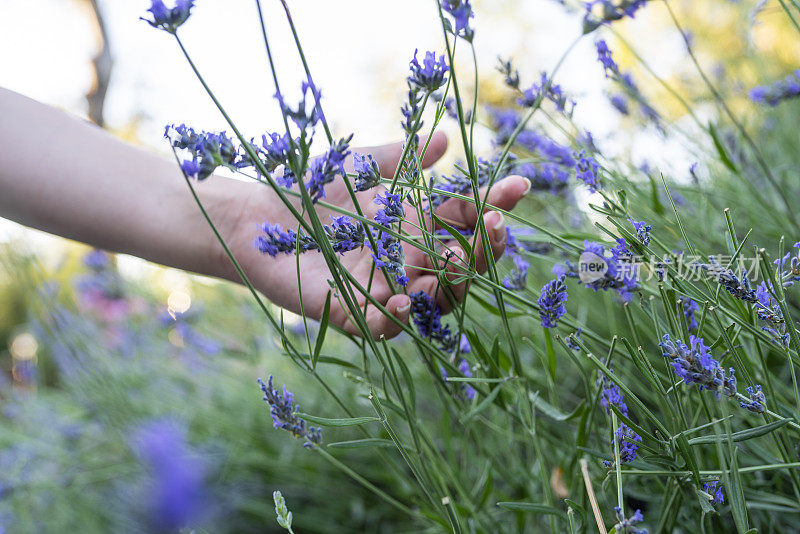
323 328
362 443
743 435
349 421
551 353
721 150
532 507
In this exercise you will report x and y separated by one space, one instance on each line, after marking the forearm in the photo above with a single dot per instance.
70 178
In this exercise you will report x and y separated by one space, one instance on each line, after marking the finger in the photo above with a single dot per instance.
504 195
388 156
455 270
399 306
496 229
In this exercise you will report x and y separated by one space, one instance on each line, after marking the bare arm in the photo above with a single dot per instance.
70 178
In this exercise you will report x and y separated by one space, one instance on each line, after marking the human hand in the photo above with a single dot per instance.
279 278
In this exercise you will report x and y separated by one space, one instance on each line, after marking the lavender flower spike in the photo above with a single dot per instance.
551 302
430 75
284 414
168 19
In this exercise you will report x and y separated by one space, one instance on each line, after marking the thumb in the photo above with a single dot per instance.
388 156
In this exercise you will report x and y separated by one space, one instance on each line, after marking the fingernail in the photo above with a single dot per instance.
528 185
497 223
404 309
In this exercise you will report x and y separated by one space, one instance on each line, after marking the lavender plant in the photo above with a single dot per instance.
539 403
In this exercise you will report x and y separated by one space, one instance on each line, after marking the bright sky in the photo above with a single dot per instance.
358 51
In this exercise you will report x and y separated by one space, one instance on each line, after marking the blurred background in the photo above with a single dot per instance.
113 370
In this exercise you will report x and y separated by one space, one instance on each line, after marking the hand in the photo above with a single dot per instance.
278 277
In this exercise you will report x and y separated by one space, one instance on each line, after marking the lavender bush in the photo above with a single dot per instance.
629 367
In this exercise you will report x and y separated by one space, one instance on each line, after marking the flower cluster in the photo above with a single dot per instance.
323 170
629 88
430 75
626 438
284 414
545 88
392 210
461 11
510 74
739 288
770 312
343 234
755 402
208 150
518 277
168 19
792 274
179 495
599 12
367 171
465 392
304 119
388 254
777 92
427 317
619 272
626 525
102 290
642 231
689 307
587 171
551 302
696 365
714 488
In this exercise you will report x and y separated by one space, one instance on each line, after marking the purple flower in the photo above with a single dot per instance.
620 103
696 365
427 316
642 231
344 234
178 497
388 254
610 395
599 12
323 170
461 11
464 346
552 92
430 75
208 150
626 525
715 488
367 170
779 91
604 56
517 278
551 302
285 416
392 210
168 19
587 171
756 401
689 307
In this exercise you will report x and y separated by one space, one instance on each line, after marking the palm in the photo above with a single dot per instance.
286 278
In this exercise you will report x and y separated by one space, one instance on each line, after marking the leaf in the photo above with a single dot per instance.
455 233
551 354
362 443
657 206
532 507
743 435
554 413
721 150
349 421
323 328
483 404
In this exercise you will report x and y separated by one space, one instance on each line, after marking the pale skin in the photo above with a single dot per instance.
68 177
